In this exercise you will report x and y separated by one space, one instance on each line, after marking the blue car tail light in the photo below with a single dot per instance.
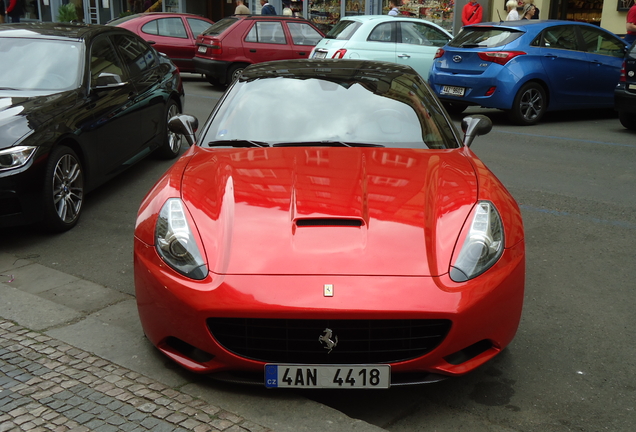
499 57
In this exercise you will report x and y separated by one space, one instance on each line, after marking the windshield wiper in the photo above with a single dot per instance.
8 88
473 45
237 143
325 143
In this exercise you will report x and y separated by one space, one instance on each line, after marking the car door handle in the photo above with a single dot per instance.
404 56
302 53
252 50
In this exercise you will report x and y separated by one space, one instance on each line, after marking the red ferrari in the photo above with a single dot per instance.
329 229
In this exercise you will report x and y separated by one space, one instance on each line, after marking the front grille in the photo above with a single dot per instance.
359 341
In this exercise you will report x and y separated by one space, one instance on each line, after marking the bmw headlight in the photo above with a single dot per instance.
15 157
483 245
175 242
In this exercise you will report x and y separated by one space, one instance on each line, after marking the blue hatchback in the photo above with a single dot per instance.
528 67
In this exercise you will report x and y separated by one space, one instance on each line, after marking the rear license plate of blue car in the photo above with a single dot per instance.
453 91
332 376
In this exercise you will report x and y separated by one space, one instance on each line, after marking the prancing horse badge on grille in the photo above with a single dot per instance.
326 340
327 290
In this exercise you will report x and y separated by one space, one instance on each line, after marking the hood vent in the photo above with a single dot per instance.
317 222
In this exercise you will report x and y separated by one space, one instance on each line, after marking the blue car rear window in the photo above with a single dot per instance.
484 37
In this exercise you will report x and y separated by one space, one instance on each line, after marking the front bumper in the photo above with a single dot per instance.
216 69
484 312
21 194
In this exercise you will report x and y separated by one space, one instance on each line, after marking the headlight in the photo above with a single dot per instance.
15 157
175 242
483 246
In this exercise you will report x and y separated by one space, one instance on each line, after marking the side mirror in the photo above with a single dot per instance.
107 81
473 126
185 125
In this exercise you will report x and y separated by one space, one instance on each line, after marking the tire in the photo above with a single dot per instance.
171 146
628 120
454 107
529 105
214 81
63 193
234 72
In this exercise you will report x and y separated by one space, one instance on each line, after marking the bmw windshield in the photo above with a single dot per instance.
39 65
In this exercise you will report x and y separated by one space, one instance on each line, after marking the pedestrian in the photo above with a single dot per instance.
241 9
511 7
631 25
393 8
528 11
287 10
471 13
267 9
536 9
14 10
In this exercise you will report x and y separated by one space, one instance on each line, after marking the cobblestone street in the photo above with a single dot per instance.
47 385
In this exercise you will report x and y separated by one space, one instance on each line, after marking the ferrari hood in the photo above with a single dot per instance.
340 211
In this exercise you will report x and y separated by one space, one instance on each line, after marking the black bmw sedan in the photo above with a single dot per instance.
78 105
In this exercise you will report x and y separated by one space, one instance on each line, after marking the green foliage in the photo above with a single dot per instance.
67 13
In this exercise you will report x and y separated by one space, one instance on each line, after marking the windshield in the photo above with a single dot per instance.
319 112
486 37
36 64
343 30
219 27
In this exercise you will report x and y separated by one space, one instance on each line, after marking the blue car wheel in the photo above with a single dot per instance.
529 105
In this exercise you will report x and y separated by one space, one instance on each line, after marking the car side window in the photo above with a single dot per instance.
561 37
267 32
104 59
137 55
383 33
170 27
420 34
197 26
597 42
303 34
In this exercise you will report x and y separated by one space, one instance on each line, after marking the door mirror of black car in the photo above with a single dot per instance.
473 126
185 125
106 81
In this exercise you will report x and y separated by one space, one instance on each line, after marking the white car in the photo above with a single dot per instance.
396 39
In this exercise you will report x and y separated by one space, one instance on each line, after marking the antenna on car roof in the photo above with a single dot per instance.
499 15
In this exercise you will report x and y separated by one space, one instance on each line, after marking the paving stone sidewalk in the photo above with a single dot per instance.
48 385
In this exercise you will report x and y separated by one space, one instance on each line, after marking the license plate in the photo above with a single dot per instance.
453 91
202 49
320 55
632 86
332 376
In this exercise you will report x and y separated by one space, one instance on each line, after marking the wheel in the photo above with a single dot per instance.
628 120
171 142
454 107
214 81
529 105
234 72
63 190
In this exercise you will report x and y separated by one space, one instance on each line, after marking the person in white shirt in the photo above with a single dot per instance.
394 11
513 15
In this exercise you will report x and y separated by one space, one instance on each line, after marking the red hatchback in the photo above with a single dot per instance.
235 42
173 34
